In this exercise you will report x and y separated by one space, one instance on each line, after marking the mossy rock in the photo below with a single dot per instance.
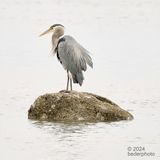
76 106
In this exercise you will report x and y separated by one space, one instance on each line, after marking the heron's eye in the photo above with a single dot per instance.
51 27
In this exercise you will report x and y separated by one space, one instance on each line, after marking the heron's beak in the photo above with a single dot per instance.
46 32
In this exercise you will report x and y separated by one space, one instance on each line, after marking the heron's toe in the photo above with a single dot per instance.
64 91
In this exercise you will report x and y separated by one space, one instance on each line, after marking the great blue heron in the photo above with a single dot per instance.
73 57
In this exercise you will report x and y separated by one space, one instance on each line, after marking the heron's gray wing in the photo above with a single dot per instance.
74 58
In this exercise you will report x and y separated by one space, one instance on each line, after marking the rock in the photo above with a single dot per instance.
76 106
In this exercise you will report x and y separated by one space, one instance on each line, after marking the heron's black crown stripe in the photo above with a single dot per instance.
55 25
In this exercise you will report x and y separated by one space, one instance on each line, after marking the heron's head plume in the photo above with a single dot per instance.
57 29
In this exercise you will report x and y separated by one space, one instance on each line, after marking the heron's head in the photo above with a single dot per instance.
57 29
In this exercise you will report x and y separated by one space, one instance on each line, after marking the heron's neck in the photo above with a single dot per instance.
55 40
58 33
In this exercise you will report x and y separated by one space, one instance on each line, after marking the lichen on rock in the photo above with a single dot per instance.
76 106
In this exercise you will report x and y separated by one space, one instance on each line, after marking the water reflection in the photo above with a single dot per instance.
80 140
65 131
62 128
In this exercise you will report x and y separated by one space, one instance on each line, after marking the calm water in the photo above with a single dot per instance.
123 38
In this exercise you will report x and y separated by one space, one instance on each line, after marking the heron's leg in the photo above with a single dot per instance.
71 84
67 80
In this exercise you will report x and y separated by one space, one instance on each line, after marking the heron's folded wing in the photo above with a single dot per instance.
73 56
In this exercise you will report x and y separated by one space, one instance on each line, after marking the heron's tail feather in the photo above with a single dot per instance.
88 59
78 78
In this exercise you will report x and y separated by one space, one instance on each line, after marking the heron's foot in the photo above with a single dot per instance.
65 91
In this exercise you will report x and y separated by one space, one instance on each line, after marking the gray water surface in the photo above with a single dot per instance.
123 38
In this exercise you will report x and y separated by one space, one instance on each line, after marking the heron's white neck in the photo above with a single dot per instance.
54 41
